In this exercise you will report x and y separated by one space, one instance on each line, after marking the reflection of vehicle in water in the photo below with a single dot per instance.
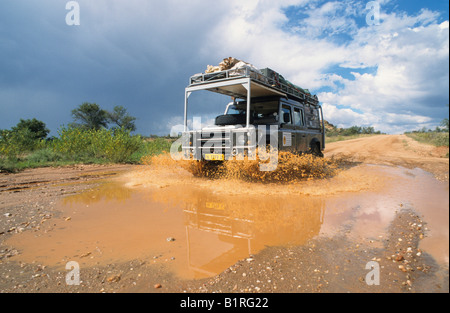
219 232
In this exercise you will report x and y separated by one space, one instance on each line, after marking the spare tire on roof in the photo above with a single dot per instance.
232 119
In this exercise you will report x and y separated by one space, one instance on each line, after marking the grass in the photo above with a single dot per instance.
44 158
85 147
13 166
335 138
438 139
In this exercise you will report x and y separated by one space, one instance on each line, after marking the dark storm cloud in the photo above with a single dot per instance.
136 54
140 54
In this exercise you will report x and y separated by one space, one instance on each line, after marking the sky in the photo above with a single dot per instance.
381 63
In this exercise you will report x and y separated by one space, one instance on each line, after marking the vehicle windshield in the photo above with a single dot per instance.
234 109
261 112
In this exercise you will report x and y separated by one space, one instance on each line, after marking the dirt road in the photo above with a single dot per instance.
393 150
141 229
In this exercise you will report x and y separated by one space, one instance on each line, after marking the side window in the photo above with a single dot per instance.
312 118
286 116
298 117
315 118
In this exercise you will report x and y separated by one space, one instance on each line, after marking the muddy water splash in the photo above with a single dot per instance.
198 227
301 175
288 167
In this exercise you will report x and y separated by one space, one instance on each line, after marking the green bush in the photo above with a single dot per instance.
76 145
82 144
438 139
120 146
16 142
44 156
158 145
353 131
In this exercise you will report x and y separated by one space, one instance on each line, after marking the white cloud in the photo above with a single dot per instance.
332 18
410 54
264 42
140 54
412 70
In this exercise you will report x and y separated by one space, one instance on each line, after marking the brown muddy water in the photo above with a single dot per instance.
198 227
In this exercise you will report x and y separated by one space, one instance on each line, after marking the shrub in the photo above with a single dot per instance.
120 145
438 139
16 142
44 156
112 145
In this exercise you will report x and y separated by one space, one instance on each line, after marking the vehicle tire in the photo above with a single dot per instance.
315 150
231 119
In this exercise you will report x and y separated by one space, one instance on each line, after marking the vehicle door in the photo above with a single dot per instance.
287 136
301 134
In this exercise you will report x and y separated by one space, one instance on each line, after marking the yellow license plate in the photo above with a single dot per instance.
215 205
214 157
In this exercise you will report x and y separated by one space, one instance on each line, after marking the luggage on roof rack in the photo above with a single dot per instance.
281 80
267 78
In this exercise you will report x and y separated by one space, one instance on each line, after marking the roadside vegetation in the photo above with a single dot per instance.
95 137
439 137
333 133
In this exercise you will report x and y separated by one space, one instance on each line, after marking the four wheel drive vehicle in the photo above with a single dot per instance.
266 111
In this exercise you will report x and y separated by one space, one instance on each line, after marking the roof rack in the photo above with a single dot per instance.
256 77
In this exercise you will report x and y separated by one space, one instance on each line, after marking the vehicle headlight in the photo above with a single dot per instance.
240 140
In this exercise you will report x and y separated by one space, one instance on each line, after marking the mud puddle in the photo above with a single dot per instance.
198 227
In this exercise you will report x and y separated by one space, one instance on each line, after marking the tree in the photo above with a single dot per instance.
368 130
26 136
121 118
354 130
37 129
90 116
445 124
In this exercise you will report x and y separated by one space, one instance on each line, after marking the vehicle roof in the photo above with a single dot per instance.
231 82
